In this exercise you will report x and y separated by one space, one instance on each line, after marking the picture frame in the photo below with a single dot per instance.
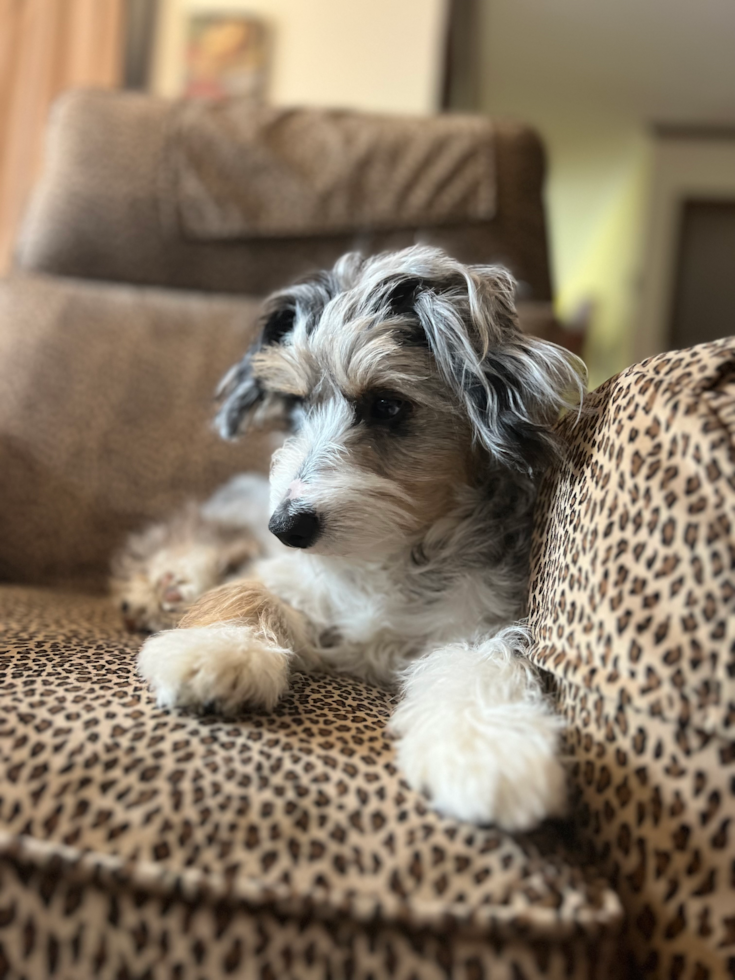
226 55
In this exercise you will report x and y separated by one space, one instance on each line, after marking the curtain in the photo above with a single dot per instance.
45 47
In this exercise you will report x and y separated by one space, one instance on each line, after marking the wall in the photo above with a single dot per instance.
381 55
591 77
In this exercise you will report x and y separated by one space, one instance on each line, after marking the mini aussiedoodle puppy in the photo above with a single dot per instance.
420 422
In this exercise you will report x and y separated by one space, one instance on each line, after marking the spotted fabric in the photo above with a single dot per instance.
140 843
633 610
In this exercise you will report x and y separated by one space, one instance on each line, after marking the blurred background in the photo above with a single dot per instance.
634 101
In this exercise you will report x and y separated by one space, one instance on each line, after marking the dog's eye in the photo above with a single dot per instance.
387 409
382 409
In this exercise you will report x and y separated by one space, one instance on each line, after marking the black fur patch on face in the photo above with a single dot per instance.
241 392
277 325
324 288
238 394
401 298
401 301
413 335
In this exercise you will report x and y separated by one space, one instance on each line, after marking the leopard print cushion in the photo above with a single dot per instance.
633 609
139 843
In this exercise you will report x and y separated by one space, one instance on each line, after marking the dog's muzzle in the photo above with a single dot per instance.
295 528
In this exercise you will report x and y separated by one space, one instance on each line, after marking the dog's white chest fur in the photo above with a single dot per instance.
373 616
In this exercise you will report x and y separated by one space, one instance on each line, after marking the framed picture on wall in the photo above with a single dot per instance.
226 54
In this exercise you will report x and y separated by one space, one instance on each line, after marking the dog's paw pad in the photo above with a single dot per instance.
144 610
172 597
152 604
174 594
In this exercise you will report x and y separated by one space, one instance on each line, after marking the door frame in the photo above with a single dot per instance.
687 162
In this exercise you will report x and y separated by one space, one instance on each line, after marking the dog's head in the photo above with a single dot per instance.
404 379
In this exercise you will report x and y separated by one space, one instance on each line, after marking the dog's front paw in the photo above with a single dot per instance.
502 770
223 667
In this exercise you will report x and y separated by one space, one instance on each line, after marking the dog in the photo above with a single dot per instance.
419 421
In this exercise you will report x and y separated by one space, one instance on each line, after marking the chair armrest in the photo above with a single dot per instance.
632 608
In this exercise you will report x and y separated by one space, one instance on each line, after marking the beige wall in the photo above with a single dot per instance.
381 55
591 77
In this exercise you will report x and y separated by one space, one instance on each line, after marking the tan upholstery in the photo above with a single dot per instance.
107 206
233 171
105 409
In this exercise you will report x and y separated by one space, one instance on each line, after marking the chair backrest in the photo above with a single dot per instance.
231 198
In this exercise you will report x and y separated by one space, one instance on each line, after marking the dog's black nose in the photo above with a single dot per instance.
298 529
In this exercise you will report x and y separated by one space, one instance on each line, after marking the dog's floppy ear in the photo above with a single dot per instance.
240 394
513 387
243 399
